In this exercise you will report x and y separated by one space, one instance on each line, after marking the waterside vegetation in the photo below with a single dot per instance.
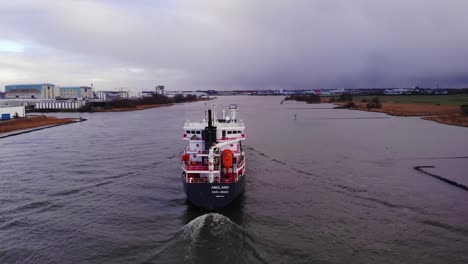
308 98
156 100
446 109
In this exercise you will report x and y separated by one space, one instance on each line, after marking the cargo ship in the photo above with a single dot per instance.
213 163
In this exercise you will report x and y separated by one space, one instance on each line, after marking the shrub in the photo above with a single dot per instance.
313 99
308 98
375 103
179 98
345 97
464 109
350 104
86 108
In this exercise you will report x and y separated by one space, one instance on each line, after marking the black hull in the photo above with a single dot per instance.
213 196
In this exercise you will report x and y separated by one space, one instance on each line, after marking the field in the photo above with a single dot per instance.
454 100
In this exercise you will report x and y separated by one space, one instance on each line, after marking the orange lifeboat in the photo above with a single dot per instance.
227 158
185 157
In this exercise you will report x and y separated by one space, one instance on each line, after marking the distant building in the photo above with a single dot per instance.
395 91
198 94
101 95
147 93
112 95
124 94
441 91
78 92
185 93
160 89
337 91
28 91
60 104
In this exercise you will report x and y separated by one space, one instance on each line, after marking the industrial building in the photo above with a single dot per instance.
160 89
185 93
7 113
76 92
57 104
31 91
112 95
147 94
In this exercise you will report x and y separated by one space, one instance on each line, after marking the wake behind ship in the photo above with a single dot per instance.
214 162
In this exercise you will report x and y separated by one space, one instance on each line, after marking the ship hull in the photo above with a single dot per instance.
213 196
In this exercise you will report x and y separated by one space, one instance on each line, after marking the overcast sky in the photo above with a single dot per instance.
235 44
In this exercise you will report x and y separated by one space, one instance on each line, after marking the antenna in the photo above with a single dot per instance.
213 110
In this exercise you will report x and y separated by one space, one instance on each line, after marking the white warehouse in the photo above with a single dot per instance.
75 104
7 113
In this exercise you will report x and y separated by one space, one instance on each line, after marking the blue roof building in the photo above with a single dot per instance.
28 91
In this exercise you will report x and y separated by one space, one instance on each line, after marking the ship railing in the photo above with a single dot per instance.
206 152
197 180
240 164
197 167
194 151
231 138
229 180
216 179
233 179
192 124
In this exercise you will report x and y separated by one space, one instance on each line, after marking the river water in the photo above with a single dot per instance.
323 186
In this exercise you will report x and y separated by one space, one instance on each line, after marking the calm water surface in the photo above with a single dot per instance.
331 186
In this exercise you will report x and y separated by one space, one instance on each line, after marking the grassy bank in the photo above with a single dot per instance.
455 120
454 100
408 109
32 122
445 109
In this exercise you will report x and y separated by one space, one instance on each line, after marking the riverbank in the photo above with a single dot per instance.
449 120
126 109
32 122
445 114
99 109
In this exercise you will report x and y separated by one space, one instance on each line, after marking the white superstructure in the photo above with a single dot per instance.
203 159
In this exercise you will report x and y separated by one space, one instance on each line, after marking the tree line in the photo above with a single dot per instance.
155 99
308 98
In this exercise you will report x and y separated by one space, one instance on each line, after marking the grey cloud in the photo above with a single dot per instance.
244 44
